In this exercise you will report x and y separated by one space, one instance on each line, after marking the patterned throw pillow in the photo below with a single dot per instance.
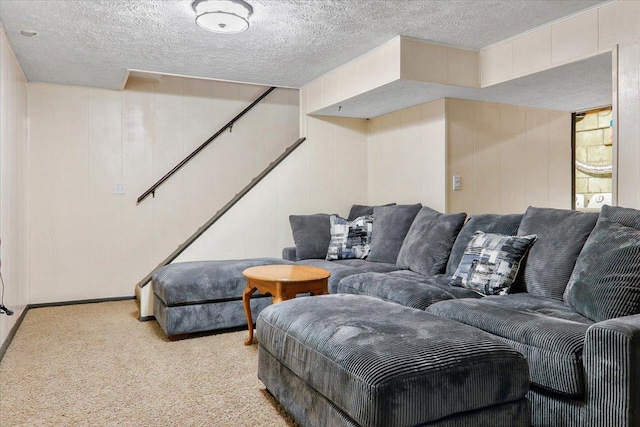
350 239
491 262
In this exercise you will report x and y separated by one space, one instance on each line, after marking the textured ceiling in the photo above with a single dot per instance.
290 42
578 86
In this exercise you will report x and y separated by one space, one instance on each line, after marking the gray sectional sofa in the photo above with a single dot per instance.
573 310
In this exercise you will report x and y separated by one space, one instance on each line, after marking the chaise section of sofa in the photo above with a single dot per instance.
584 370
582 373
346 360
545 330
198 296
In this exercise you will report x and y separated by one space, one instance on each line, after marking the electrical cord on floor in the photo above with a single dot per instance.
3 308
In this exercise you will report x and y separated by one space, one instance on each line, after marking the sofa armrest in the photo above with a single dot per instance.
290 254
612 366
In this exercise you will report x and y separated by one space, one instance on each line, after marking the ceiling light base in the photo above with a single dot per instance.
222 16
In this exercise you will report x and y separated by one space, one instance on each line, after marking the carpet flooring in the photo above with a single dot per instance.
97 365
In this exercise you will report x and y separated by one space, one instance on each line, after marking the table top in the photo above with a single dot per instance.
286 273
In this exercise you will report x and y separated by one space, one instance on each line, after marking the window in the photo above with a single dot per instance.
593 154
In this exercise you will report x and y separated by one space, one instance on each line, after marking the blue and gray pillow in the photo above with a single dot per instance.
350 239
490 263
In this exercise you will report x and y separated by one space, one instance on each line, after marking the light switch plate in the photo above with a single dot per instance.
119 189
457 182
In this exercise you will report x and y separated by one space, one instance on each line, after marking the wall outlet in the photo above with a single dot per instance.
457 182
119 189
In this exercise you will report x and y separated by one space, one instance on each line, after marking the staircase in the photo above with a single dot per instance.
143 292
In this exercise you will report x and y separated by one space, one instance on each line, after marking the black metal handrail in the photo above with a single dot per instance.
152 189
222 211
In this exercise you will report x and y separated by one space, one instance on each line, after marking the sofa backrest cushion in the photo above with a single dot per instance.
390 226
362 210
311 235
605 282
489 223
428 243
561 234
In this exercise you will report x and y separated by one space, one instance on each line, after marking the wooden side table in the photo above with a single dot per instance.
283 282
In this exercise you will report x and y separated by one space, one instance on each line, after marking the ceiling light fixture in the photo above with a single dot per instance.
222 16
28 33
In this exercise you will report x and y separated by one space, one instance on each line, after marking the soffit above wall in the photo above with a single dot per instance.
291 42
573 87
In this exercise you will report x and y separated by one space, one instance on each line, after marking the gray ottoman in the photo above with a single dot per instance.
350 360
203 296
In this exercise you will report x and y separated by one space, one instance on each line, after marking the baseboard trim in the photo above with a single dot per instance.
82 301
12 332
7 342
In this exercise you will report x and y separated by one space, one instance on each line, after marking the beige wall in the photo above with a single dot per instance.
508 157
13 186
407 158
89 243
327 173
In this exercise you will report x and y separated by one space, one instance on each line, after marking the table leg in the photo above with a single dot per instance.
246 297
325 287
277 297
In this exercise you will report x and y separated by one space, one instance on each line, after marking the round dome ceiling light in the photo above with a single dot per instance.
28 33
222 16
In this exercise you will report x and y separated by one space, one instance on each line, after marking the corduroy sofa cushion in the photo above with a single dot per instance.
390 226
311 234
545 271
605 282
210 316
428 242
366 266
205 281
545 330
401 290
387 365
347 267
362 210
